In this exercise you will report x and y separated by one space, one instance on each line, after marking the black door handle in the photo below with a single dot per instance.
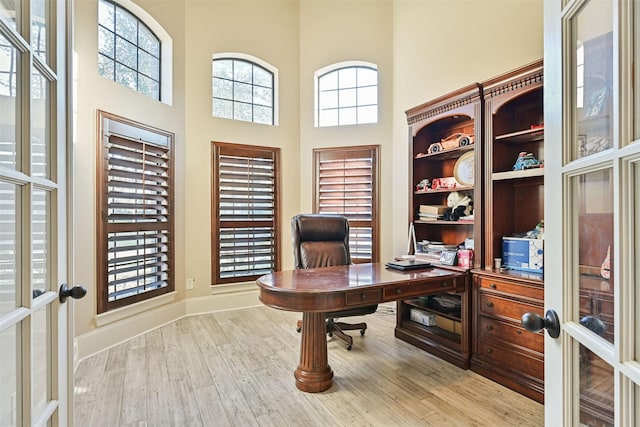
76 292
533 322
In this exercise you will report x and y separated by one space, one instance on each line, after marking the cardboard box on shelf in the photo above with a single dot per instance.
422 317
523 254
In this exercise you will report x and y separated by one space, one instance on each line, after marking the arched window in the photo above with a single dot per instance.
132 48
346 94
244 88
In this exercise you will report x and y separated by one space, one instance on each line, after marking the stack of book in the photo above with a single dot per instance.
431 251
432 212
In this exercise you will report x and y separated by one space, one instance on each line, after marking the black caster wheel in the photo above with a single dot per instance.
330 334
362 332
298 329
349 347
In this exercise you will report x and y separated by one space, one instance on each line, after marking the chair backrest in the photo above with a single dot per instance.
320 240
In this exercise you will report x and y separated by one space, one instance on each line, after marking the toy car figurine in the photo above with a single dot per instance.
526 161
452 141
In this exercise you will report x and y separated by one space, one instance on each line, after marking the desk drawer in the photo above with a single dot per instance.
492 284
391 293
360 297
491 305
509 334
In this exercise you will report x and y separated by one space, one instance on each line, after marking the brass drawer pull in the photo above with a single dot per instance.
490 304
363 296
489 351
493 286
398 291
444 284
489 328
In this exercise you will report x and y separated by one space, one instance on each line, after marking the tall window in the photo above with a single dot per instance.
346 183
244 90
346 94
135 212
128 51
245 222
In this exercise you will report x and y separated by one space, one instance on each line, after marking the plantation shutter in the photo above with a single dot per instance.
346 185
137 216
246 227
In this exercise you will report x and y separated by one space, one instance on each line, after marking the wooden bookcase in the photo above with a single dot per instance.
456 112
513 204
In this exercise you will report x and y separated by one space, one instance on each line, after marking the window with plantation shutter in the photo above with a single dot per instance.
245 228
346 184
135 208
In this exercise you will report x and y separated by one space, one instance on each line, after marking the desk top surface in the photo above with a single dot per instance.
347 277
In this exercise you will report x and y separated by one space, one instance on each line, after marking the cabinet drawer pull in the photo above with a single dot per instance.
489 328
398 291
519 332
489 351
493 286
363 296
444 284
490 304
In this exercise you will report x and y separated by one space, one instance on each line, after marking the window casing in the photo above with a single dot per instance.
128 50
346 94
135 213
346 183
244 88
246 209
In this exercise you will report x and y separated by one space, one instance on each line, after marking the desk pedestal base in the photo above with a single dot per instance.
314 373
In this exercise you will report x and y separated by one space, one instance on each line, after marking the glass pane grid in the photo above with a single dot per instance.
348 96
242 91
129 52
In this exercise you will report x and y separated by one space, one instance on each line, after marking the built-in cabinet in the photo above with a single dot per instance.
505 116
445 135
514 205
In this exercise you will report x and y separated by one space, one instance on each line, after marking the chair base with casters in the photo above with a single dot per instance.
338 328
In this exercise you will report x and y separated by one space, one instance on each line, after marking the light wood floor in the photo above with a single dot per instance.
236 368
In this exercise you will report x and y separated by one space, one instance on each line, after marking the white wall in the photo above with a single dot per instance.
423 49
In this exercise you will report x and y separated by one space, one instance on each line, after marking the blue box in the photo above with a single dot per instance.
523 254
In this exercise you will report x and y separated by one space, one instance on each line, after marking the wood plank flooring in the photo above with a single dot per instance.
235 368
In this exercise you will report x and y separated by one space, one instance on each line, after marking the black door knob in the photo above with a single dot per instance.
533 322
76 292
594 324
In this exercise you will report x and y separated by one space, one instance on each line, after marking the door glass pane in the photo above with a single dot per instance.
40 360
594 197
40 243
8 76
39 125
9 368
8 248
593 68
39 27
596 390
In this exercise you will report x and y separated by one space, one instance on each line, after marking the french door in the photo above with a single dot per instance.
34 337
592 217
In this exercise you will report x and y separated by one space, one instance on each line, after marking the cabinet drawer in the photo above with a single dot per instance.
513 335
362 297
492 284
519 363
391 293
491 305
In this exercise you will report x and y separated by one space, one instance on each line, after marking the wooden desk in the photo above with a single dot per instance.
315 291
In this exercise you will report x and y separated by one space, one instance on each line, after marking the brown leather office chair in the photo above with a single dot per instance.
321 240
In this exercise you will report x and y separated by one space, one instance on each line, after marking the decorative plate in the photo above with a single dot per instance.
463 170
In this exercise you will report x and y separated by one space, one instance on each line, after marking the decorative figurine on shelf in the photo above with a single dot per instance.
423 185
459 206
526 161
605 268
